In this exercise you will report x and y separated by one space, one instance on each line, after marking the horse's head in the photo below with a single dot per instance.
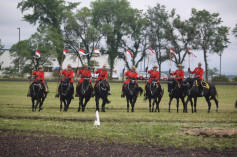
36 88
132 80
171 84
67 80
86 80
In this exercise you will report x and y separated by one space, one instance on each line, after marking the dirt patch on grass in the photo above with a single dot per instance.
14 143
210 132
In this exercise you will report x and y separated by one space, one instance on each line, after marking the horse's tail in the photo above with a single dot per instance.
140 90
213 90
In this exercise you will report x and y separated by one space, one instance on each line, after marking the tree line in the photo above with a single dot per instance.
114 26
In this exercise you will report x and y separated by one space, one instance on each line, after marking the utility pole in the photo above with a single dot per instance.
18 52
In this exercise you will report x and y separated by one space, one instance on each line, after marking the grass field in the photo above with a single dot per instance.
181 130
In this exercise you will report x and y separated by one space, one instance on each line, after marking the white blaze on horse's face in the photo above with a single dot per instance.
132 81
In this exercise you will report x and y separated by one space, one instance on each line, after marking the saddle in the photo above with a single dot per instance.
204 84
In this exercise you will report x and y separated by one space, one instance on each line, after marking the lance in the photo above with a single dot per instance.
33 65
147 64
78 62
60 70
189 61
123 71
170 62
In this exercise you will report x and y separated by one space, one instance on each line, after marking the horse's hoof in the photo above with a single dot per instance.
217 110
208 111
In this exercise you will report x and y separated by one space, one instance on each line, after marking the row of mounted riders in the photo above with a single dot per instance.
178 88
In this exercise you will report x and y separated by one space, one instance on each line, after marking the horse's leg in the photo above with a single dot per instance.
103 105
82 104
61 106
37 102
131 102
191 102
177 104
41 103
86 101
33 104
170 103
158 103
153 103
209 103
184 105
127 104
97 103
149 104
79 104
68 102
65 105
195 104
216 101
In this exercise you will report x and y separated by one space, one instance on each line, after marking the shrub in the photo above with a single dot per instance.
221 78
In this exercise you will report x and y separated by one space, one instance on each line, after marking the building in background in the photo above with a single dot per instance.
6 61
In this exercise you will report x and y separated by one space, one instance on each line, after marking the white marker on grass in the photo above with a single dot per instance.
97 118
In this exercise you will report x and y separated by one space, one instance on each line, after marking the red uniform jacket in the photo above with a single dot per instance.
130 74
102 74
198 72
39 76
153 75
84 73
179 74
66 74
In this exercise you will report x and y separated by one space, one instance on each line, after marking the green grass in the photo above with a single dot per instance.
140 127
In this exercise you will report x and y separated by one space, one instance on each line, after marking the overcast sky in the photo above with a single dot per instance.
11 18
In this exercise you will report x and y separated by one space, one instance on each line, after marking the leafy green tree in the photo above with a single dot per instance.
50 13
112 17
234 31
80 26
180 35
136 38
24 51
212 38
158 22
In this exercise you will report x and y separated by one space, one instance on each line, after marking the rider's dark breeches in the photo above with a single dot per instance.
199 83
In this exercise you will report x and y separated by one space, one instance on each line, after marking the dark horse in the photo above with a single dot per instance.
154 91
178 91
101 91
209 92
131 91
38 94
65 93
84 91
